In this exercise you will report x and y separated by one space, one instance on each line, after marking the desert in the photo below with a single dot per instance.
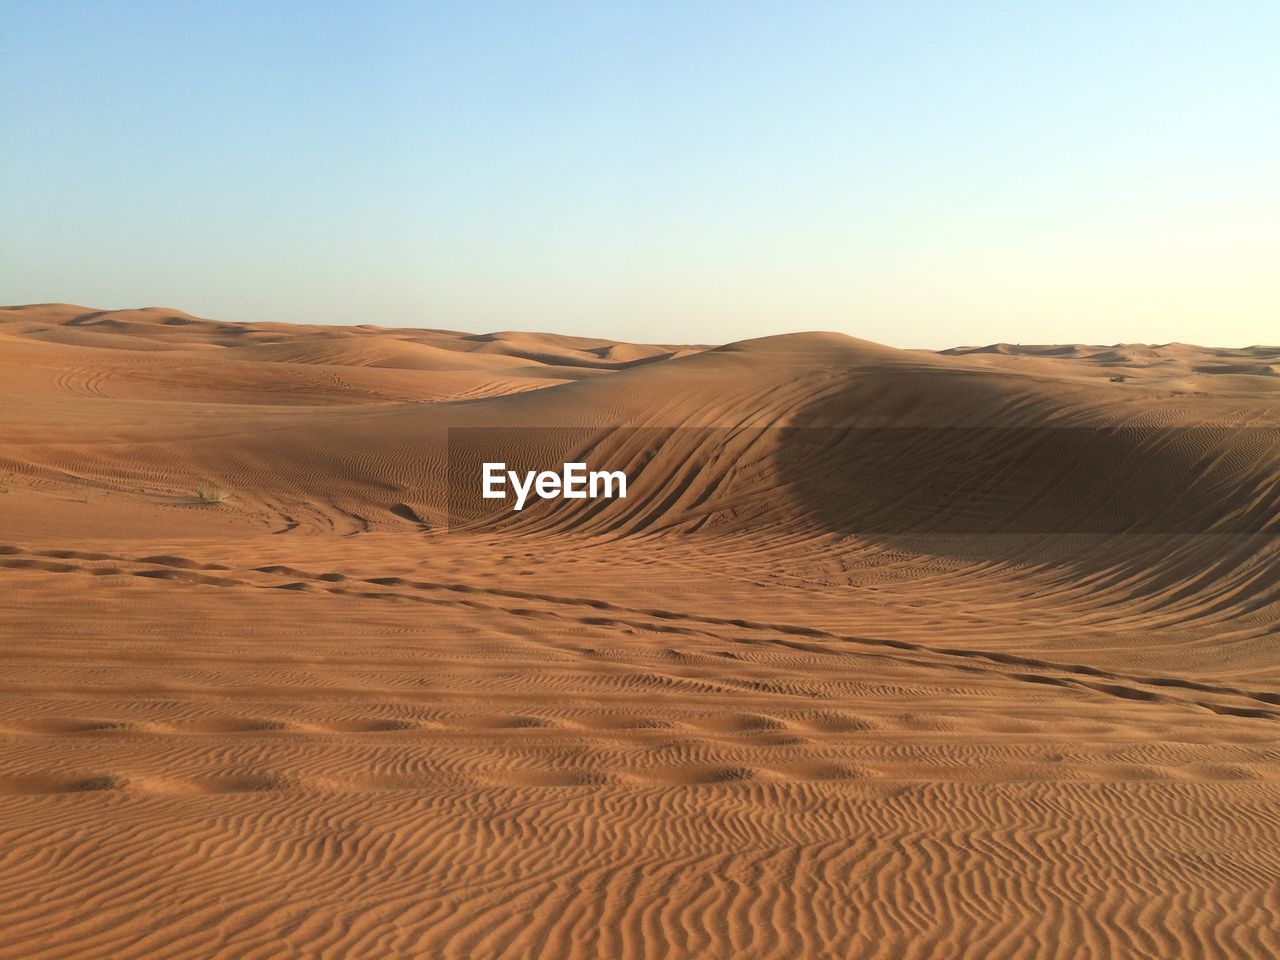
886 653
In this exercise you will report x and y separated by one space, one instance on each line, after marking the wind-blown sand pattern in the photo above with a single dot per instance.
725 718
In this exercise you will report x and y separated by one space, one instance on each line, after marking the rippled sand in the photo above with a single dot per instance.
717 719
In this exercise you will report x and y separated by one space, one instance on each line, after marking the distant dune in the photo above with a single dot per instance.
887 653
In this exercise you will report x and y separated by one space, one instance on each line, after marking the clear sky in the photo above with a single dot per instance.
922 174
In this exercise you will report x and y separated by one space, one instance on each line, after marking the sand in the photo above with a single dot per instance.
775 705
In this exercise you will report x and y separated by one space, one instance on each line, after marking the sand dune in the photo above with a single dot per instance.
886 653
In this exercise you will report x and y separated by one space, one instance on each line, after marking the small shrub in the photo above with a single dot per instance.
1119 378
212 496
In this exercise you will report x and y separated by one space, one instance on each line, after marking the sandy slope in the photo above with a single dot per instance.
778 703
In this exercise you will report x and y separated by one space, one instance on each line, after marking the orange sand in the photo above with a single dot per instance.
711 722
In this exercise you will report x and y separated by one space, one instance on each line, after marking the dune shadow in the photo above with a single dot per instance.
986 492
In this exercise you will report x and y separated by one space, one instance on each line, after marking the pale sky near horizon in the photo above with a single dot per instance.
920 174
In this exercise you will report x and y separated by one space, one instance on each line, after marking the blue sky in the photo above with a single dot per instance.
922 174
